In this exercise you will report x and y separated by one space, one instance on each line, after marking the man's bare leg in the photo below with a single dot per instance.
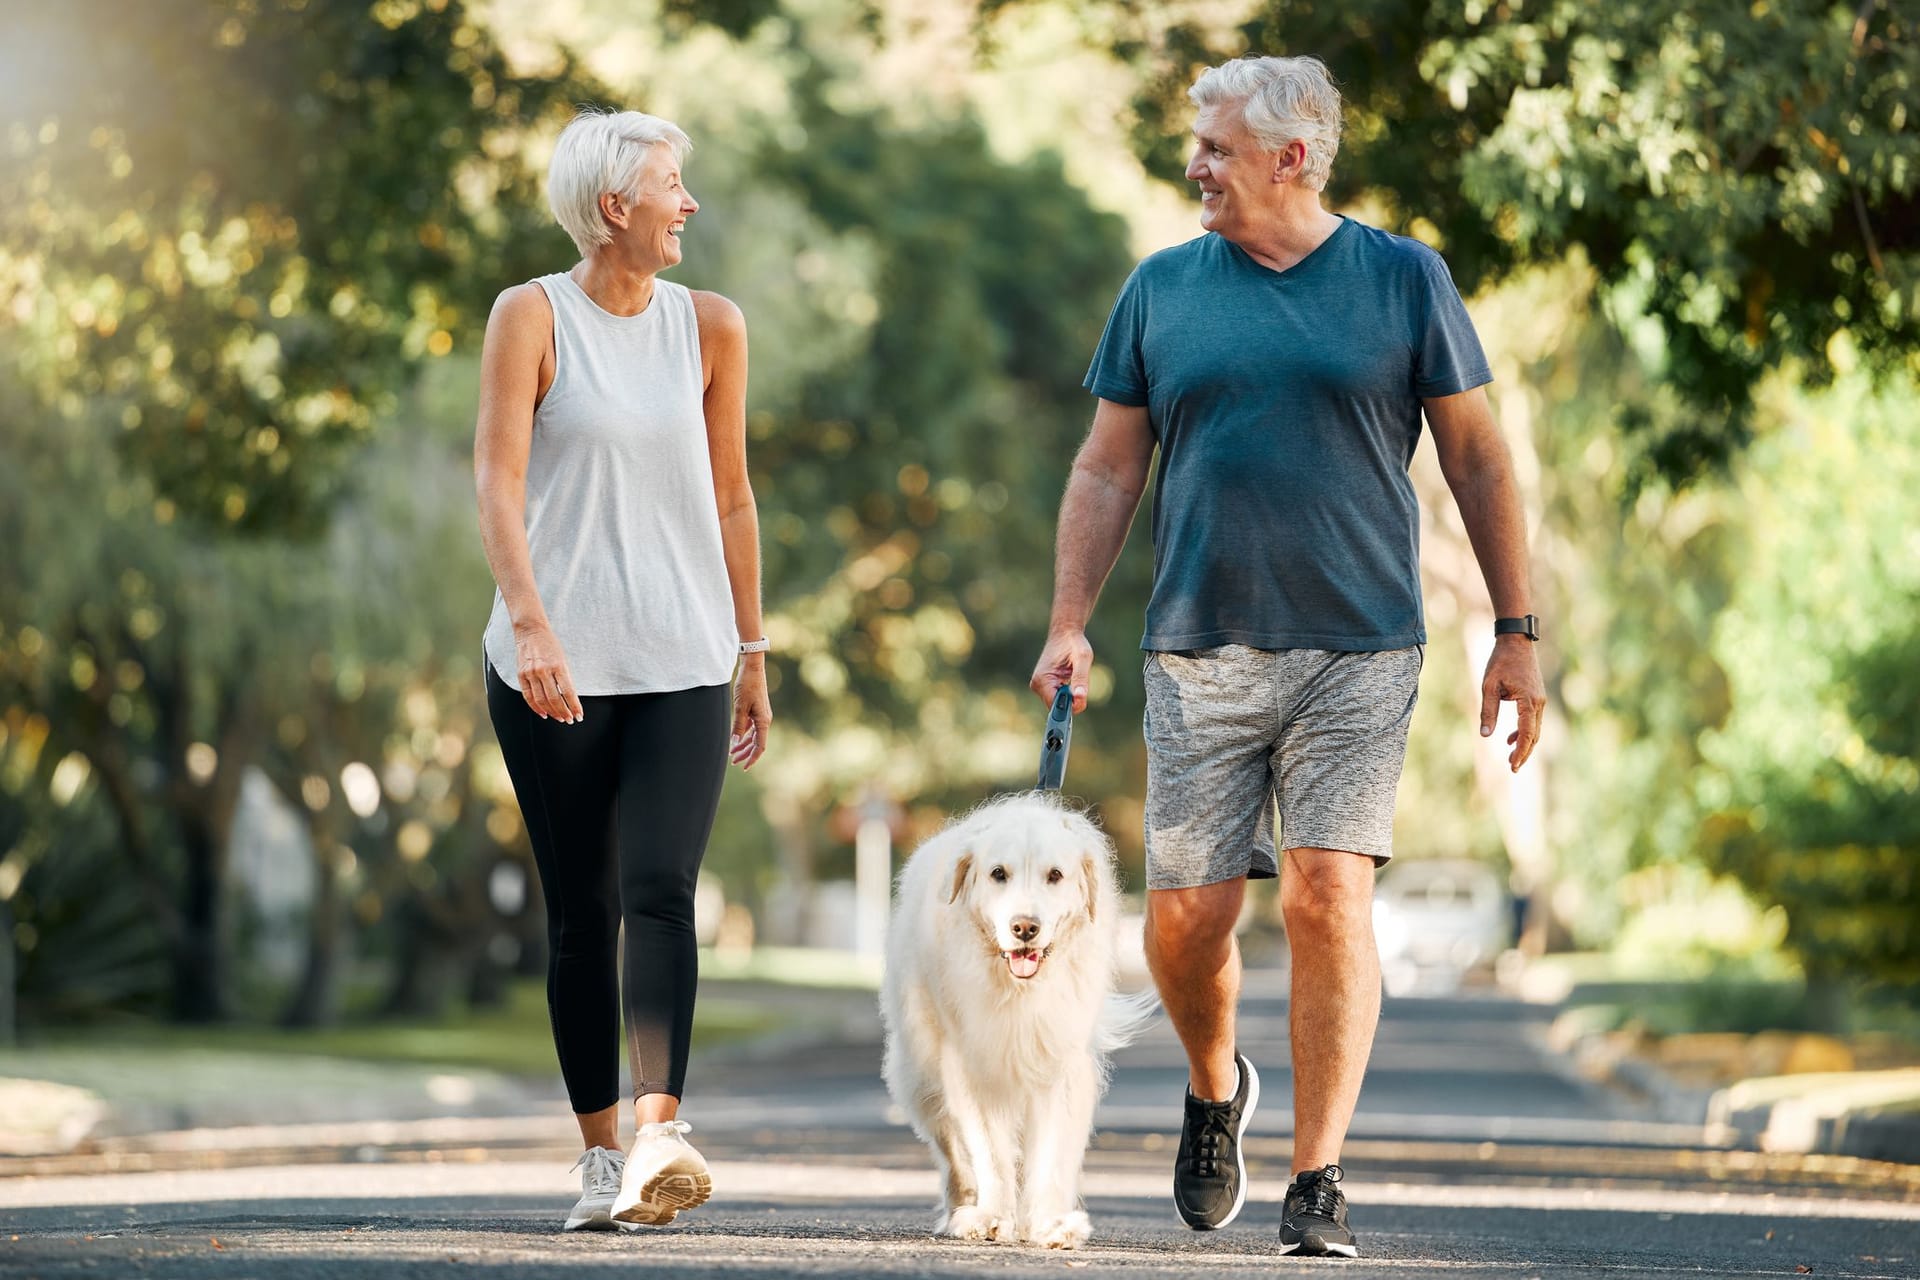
1195 963
1326 896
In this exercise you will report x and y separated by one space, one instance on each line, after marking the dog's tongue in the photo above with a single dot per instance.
1024 964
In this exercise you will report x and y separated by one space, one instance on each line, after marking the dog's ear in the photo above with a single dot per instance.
1090 880
961 870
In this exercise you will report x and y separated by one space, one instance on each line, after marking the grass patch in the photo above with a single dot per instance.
794 966
512 1039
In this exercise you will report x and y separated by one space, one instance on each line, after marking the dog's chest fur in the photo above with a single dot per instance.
1023 1032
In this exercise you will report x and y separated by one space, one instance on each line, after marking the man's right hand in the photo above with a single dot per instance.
1066 660
545 681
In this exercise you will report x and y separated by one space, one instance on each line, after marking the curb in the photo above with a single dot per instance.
1873 1114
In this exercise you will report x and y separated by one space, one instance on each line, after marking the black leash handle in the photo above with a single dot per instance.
1053 748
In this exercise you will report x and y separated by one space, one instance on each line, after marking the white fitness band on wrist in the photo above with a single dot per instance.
755 646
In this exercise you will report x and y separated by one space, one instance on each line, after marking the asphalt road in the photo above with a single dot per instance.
1474 1154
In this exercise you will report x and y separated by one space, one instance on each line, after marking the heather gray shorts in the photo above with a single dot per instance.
1232 730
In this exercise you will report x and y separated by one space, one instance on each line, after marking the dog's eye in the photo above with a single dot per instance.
999 875
1055 876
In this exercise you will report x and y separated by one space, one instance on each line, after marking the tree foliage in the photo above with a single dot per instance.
232 229
1811 800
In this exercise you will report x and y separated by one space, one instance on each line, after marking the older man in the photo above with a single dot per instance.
1281 363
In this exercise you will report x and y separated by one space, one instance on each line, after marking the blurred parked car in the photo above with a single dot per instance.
1438 920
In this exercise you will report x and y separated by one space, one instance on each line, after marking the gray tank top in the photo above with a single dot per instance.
621 517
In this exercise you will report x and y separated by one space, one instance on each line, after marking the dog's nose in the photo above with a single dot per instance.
1026 928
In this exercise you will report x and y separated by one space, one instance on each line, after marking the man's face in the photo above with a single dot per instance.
1235 175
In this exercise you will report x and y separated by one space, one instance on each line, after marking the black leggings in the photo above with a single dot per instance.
619 808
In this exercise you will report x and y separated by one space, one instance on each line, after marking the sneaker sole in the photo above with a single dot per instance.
1239 1157
1313 1246
597 1222
662 1199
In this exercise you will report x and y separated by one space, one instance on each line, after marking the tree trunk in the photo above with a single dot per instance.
199 956
313 1002
9 977
418 976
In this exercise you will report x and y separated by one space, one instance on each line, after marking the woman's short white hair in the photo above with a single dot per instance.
603 151
1282 100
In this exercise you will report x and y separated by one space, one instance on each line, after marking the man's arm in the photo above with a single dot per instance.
1109 475
1479 471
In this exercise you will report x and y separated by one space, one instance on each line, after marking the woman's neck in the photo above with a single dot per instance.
618 288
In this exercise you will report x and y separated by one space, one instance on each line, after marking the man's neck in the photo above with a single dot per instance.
1291 231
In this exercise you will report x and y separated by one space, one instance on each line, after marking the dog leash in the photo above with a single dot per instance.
1053 748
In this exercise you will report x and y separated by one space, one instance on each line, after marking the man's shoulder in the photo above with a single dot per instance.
1197 254
1395 253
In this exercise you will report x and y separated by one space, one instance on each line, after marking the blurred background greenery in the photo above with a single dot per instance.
247 250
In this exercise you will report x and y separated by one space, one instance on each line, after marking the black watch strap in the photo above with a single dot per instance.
1528 626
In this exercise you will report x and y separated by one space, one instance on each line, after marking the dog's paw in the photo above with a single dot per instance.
971 1222
1068 1231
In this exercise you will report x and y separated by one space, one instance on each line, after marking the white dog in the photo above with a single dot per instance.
1000 1013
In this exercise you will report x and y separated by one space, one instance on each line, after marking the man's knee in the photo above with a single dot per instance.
1193 922
1326 890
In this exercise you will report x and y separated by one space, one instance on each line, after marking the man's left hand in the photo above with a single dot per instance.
1513 675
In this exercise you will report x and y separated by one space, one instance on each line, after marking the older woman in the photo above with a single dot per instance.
610 460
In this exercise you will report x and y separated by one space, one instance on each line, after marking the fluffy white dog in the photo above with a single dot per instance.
1000 1013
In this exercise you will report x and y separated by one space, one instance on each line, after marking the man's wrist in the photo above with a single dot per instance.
1524 627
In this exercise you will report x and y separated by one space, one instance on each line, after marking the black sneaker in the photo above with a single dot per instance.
1313 1219
1210 1174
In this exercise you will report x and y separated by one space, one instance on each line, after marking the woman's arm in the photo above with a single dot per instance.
723 355
514 373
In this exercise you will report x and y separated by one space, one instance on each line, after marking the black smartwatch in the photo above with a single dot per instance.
1528 626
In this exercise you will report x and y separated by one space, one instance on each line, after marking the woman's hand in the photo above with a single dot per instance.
752 713
545 681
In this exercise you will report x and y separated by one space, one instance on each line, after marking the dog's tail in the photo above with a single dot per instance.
1123 1018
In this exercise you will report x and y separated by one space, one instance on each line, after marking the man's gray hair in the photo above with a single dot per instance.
603 151
1282 100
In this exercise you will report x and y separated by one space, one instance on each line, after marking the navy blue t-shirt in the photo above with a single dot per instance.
1286 405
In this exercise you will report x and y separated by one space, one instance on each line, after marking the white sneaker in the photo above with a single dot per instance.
600 1171
664 1175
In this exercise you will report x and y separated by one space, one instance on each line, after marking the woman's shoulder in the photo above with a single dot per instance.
719 315
524 303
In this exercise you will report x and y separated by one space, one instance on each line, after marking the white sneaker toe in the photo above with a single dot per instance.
600 1174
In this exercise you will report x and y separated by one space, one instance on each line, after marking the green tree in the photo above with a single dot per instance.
233 229
1811 798
1840 846
229 234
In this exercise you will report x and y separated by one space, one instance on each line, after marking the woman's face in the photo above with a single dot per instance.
659 208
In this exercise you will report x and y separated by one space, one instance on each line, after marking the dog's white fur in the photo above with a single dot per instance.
999 1073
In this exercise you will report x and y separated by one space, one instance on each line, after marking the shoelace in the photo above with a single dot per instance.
1215 1126
1321 1195
664 1128
603 1169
